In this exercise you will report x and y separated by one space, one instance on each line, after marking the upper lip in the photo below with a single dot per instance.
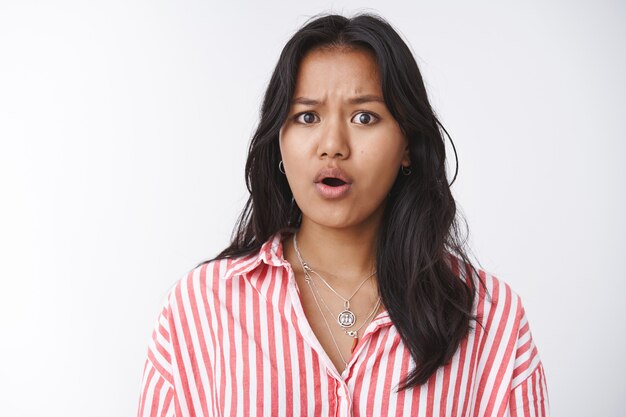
332 173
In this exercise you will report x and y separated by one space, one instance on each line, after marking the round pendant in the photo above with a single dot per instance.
346 318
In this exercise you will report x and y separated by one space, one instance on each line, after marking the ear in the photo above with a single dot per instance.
280 141
406 157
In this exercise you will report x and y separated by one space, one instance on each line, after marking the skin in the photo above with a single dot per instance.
337 237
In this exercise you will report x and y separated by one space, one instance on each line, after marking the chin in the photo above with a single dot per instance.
335 220
340 216
338 220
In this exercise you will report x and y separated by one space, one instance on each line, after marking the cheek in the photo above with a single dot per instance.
293 145
380 166
385 157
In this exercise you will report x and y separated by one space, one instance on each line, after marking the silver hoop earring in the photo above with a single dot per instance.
406 170
281 166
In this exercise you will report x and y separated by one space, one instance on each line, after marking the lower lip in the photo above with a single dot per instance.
326 191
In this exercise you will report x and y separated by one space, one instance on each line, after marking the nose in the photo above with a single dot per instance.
333 141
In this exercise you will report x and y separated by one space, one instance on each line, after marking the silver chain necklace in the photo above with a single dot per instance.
346 318
351 333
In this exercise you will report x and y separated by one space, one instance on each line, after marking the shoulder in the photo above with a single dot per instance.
494 296
501 323
209 276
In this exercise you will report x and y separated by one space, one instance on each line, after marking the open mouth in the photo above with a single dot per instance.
333 182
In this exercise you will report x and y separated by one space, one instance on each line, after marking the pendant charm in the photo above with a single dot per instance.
352 333
354 343
346 318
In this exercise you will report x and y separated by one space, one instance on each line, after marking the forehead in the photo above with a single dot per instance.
334 70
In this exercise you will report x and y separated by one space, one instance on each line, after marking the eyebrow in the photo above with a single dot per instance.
355 100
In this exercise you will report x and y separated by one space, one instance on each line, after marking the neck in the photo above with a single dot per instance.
344 255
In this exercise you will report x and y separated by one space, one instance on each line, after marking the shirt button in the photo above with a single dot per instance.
341 393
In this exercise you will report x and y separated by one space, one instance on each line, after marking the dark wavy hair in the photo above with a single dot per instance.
426 301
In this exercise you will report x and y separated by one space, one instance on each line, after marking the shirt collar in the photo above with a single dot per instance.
270 253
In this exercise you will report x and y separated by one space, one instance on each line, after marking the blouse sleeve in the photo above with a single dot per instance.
157 387
529 391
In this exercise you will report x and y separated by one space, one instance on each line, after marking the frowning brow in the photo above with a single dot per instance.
354 100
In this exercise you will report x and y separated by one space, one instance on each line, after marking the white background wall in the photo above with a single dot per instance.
123 132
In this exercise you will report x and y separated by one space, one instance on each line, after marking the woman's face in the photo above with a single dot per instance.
338 122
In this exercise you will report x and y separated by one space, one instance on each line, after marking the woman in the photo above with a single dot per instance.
345 290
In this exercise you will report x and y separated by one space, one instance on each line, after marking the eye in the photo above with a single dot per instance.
306 118
364 118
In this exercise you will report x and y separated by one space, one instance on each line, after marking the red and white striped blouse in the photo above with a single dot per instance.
232 340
